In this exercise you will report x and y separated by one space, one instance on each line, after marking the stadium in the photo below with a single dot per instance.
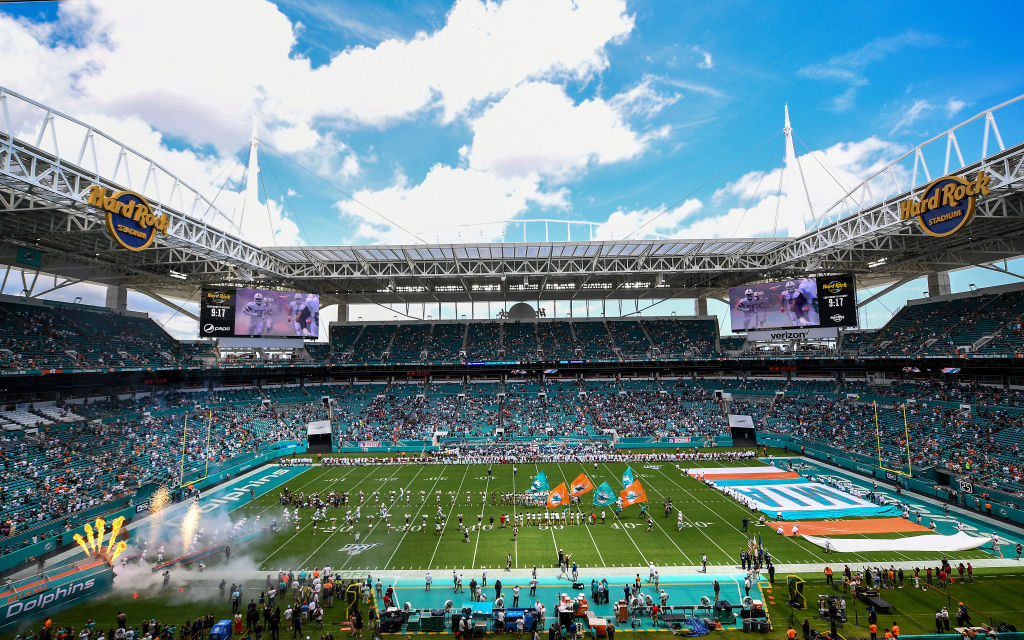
776 470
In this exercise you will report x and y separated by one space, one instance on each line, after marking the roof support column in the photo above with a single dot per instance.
342 312
938 284
117 298
701 306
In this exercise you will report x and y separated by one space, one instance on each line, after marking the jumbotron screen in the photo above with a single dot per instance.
828 301
259 313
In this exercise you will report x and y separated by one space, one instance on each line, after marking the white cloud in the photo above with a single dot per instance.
758 208
850 68
705 62
954 106
536 129
350 166
911 115
239 59
449 205
654 221
643 99
686 85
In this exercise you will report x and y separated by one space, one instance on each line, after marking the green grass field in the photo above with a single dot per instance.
713 524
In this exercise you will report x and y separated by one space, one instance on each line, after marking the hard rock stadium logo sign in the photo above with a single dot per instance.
130 220
835 286
947 204
217 297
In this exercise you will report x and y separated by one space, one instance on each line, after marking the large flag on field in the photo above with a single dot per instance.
559 497
604 496
580 485
633 494
627 477
540 483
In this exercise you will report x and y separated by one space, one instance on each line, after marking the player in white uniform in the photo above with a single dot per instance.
259 312
295 314
809 288
748 306
761 307
795 305
312 324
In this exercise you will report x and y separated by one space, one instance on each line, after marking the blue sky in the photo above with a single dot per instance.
441 114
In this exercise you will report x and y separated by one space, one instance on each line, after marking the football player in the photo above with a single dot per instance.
259 312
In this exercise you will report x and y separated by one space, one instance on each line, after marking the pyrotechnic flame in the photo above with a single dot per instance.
115 529
95 542
159 500
90 538
118 550
189 525
156 508
101 527
81 543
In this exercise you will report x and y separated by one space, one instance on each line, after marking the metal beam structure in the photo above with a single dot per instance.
44 194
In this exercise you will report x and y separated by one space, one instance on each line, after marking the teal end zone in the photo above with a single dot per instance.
681 589
930 512
767 481
821 514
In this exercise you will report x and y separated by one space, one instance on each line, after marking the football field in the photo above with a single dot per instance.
712 523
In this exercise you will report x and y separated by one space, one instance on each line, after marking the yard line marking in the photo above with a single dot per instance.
732 503
580 509
628 534
266 560
813 549
440 474
480 529
515 544
665 533
447 519
331 535
553 541
380 520
323 472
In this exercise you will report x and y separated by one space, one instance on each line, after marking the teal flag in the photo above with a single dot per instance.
540 483
31 257
604 496
627 477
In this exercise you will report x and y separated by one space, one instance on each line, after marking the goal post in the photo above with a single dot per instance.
206 451
906 435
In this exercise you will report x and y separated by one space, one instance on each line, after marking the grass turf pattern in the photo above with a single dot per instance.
712 523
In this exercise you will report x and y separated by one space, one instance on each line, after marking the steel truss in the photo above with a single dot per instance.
43 205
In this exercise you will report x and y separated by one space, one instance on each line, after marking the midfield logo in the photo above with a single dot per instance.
356 549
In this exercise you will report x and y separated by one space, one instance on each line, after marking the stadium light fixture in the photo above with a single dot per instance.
877 263
177 274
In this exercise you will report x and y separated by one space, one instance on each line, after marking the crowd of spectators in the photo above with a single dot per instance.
45 336
125 442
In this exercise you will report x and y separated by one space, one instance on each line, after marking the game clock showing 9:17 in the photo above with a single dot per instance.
217 313
837 301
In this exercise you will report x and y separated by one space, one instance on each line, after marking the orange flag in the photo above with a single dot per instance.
558 497
633 494
580 485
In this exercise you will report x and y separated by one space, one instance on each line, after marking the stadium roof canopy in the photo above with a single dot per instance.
44 192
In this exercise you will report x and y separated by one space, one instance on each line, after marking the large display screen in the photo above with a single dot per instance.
828 301
259 313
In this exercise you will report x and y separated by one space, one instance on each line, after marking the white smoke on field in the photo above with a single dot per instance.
189 584
191 525
187 528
